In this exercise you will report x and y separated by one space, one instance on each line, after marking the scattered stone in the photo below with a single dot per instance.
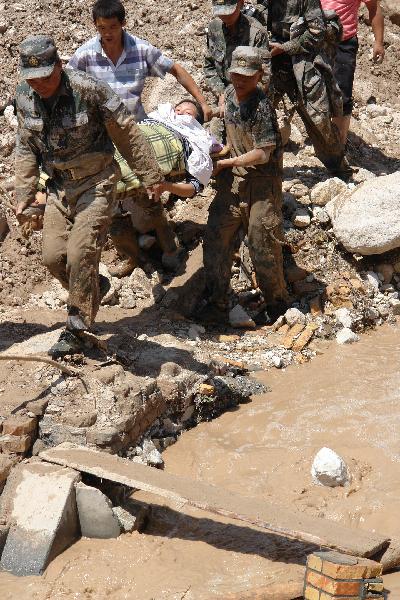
303 339
95 512
151 456
376 110
228 338
321 215
344 317
366 220
195 331
131 516
387 272
238 317
395 304
325 191
293 316
19 425
346 336
15 444
301 218
206 389
373 279
6 464
329 469
292 334
362 175
43 523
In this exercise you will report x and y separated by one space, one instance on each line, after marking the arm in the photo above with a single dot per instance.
187 82
26 171
213 79
378 27
257 156
184 190
313 36
77 62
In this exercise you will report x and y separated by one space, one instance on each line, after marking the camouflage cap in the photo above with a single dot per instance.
223 7
246 60
37 56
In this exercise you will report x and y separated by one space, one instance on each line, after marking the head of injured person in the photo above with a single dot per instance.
40 64
227 10
248 68
190 107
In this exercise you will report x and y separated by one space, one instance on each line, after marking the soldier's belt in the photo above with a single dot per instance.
90 165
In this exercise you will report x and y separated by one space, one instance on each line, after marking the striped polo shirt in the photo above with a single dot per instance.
138 60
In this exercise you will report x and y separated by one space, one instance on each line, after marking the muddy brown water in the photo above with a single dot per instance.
348 398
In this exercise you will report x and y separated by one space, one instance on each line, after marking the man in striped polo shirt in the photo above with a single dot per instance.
124 62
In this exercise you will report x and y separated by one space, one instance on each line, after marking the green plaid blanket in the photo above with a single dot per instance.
168 151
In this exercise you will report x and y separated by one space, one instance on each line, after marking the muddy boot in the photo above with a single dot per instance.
215 314
124 269
68 343
271 314
345 171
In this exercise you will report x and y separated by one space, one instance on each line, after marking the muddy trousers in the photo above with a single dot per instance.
324 136
144 215
263 197
75 227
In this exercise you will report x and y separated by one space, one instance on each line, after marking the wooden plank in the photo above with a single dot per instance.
217 500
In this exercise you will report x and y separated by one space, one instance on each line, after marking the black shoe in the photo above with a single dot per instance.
67 343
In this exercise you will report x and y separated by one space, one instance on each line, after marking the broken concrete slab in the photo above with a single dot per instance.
43 523
3 536
219 501
95 512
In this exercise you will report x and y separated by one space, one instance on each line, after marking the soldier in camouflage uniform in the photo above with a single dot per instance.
302 69
230 29
68 122
250 183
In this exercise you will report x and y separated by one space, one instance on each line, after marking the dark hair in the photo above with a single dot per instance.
199 110
107 9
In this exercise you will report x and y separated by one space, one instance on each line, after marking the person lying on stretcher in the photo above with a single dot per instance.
182 148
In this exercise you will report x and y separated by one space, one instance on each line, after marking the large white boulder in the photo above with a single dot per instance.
329 469
366 220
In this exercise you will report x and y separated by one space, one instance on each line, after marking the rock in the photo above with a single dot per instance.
131 516
387 272
238 317
376 110
39 502
294 316
299 190
366 220
195 331
346 336
151 455
344 317
373 279
206 389
320 215
329 469
96 513
325 191
301 218
19 425
395 304
362 175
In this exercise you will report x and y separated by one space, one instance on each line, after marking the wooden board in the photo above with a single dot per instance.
216 500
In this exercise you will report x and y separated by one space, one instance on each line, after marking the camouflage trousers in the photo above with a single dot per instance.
144 215
263 199
76 222
324 136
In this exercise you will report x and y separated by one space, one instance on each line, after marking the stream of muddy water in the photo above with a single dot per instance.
348 399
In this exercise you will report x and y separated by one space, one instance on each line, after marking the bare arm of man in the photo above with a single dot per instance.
378 27
187 82
257 156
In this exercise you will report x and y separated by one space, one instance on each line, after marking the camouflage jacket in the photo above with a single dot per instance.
220 45
252 124
73 138
282 14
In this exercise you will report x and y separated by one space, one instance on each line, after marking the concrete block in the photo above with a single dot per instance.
39 505
15 444
96 513
19 425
